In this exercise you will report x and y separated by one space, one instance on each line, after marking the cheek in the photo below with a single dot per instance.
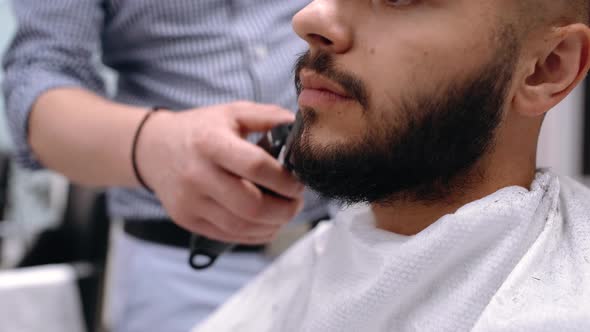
415 65
397 55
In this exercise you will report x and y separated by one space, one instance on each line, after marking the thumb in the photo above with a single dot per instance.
261 117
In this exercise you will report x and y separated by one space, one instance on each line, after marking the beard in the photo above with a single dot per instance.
424 148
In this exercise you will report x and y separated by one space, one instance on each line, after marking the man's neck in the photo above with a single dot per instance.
410 217
512 162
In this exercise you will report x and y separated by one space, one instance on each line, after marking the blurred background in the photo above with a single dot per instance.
53 240
53 235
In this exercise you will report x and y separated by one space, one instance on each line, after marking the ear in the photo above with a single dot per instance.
562 60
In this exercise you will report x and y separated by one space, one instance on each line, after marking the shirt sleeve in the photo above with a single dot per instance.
57 44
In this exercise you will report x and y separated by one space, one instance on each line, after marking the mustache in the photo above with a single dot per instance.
323 64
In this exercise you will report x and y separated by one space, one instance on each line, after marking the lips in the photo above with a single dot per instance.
313 81
319 91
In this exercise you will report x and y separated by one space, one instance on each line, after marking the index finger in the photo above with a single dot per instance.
252 163
253 117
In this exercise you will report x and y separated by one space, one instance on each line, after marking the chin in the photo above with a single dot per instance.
327 129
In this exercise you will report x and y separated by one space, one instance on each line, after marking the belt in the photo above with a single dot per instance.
166 232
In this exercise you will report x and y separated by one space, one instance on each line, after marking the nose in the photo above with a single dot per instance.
322 25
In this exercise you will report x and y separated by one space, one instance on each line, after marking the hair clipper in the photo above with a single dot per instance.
277 142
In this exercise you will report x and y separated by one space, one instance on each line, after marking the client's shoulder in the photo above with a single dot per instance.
574 188
574 202
574 209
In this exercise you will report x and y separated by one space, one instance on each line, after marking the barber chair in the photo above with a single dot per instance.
81 239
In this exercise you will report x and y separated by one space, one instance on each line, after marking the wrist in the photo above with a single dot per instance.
145 150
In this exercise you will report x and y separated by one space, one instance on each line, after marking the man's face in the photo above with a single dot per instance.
400 99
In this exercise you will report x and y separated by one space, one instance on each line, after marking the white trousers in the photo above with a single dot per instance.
153 289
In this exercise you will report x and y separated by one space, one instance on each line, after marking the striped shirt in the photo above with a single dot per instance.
178 54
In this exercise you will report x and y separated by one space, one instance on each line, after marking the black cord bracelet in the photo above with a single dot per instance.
134 148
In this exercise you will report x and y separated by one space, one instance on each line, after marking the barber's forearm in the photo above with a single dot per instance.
85 137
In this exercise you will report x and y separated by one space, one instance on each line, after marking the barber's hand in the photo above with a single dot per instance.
205 173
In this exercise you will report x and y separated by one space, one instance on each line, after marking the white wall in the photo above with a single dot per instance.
561 142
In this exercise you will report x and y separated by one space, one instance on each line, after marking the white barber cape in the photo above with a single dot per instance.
516 260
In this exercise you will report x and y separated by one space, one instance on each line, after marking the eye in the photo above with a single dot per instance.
400 3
